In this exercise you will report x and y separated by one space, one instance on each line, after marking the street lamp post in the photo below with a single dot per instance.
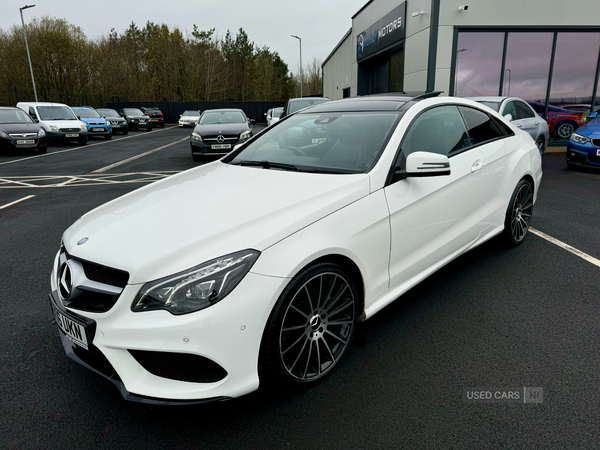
509 73
300 62
27 47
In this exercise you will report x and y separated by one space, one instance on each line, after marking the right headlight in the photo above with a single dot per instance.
196 288
579 138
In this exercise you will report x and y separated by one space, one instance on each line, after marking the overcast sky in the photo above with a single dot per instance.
320 23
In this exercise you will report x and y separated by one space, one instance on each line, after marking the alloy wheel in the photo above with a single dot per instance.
565 130
317 326
521 213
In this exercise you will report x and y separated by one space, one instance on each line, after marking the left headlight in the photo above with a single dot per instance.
196 288
245 135
3 134
41 133
579 138
196 136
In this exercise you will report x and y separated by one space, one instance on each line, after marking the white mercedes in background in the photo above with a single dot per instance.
257 267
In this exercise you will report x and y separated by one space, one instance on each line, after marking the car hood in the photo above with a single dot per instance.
137 117
19 127
223 128
88 120
63 123
590 129
203 213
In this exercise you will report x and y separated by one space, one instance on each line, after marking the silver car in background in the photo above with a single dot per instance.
273 115
518 111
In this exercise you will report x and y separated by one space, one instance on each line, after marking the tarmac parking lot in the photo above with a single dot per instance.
493 319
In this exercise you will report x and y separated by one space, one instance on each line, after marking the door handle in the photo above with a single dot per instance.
519 124
536 123
477 166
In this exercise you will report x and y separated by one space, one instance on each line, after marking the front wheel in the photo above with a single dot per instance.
311 326
149 128
82 141
519 213
540 142
108 137
126 131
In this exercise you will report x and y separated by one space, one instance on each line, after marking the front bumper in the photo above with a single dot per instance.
583 154
228 333
106 131
62 136
186 123
118 126
11 143
202 148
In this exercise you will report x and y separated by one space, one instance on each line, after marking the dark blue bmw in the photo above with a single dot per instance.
583 148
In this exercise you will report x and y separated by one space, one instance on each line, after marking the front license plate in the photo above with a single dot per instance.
25 141
71 135
97 129
74 330
142 121
597 152
220 146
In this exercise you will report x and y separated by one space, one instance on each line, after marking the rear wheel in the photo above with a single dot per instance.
564 130
311 326
519 213
162 125
541 144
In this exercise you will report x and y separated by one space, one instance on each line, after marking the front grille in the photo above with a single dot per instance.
596 142
98 123
23 135
213 138
180 366
70 130
97 301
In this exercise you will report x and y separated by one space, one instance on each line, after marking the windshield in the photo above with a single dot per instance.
86 113
297 105
218 117
328 143
14 116
56 113
191 113
277 112
108 112
494 105
133 112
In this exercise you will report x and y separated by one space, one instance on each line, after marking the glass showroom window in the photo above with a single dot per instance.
527 65
478 63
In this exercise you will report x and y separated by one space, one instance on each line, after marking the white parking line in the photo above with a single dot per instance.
567 247
81 147
16 201
141 155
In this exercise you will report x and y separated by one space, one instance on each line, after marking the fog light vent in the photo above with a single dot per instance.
180 366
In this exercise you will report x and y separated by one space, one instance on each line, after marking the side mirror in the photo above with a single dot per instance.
78 117
424 164
35 120
508 117
592 115
235 147
180 115
104 117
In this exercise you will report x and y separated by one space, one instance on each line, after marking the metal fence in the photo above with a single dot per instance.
172 110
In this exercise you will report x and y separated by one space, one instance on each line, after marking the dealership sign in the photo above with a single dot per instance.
386 31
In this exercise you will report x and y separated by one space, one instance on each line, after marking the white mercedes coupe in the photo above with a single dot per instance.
255 269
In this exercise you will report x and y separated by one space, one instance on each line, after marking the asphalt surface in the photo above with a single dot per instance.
524 317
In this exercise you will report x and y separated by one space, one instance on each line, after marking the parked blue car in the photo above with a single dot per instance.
96 124
583 148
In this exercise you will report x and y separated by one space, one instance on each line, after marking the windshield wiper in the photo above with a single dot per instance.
265 164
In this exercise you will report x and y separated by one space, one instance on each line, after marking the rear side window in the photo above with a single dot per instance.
523 111
481 127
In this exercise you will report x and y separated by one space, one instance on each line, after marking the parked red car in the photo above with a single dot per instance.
561 122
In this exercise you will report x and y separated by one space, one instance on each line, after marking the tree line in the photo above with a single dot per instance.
153 63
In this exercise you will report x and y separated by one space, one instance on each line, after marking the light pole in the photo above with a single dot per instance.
300 62
509 72
27 47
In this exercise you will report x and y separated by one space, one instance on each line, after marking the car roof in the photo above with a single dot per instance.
81 107
377 102
308 98
223 110
10 107
41 104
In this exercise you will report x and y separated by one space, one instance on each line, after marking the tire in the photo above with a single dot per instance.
162 125
126 131
82 141
41 150
196 157
311 326
541 144
108 137
565 129
519 213
149 128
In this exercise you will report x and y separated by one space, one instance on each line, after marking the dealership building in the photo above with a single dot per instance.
545 51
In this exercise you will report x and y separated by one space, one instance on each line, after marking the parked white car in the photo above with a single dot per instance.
257 267
58 121
189 118
522 115
273 115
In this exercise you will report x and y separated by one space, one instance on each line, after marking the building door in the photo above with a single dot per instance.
346 93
